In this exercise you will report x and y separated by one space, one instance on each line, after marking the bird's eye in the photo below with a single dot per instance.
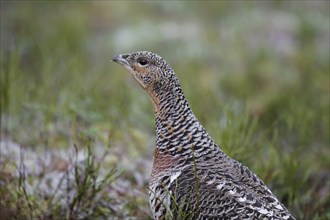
143 62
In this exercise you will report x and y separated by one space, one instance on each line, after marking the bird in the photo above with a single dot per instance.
191 177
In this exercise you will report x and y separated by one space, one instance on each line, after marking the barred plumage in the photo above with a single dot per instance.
192 178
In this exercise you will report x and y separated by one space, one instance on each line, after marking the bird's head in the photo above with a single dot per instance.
151 71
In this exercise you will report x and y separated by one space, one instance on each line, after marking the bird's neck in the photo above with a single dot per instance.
172 104
177 128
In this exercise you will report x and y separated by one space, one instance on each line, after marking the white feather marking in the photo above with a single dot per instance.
220 185
242 199
231 192
279 207
174 176
263 211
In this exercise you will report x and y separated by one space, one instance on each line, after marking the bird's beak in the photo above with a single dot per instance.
120 58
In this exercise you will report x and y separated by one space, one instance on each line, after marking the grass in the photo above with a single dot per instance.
77 132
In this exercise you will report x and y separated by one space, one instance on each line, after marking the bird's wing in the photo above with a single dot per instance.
224 197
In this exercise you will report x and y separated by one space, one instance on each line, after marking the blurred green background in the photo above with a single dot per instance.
255 73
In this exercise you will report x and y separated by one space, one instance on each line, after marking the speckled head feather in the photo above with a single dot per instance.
153 74
192 178
151 71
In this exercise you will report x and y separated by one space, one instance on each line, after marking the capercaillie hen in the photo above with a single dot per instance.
192 178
